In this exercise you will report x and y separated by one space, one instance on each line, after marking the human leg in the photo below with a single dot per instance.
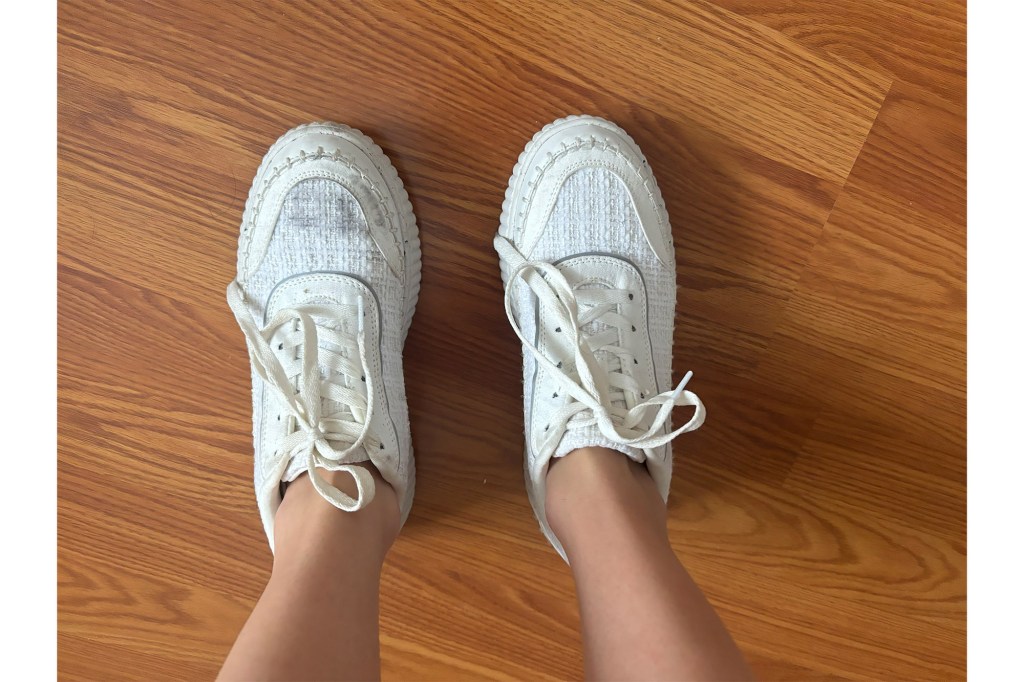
588 259
318 616
328 278
642 615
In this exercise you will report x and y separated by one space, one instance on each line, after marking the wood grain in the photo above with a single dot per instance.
922 44
812 159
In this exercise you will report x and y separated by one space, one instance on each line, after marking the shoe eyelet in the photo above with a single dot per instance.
558 329
547 427
362 378
382 446
559 365
635 361
631 297
280 346
554 395
633 326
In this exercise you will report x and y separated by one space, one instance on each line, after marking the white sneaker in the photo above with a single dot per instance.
328 277
590 288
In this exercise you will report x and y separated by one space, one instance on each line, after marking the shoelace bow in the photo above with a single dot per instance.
293 331
601 382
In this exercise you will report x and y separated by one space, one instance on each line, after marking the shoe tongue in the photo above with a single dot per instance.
609 361
330 407
594 326
357 384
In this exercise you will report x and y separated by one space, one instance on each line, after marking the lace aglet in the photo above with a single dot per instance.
682 384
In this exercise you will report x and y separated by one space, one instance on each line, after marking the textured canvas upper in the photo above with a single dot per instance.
594 214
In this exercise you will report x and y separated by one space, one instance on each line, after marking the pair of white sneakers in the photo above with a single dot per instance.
329 275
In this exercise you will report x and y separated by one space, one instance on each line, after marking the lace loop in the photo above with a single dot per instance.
591 403
311 441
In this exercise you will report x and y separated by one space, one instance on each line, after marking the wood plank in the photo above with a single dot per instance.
94 660
875 333
921 44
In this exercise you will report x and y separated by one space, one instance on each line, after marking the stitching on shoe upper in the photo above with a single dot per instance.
319 155
578 144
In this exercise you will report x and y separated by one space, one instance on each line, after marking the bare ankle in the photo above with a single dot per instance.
594 489
305 517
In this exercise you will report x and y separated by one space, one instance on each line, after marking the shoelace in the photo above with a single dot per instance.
597 361
295 328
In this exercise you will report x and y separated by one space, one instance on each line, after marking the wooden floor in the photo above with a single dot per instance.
812 157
